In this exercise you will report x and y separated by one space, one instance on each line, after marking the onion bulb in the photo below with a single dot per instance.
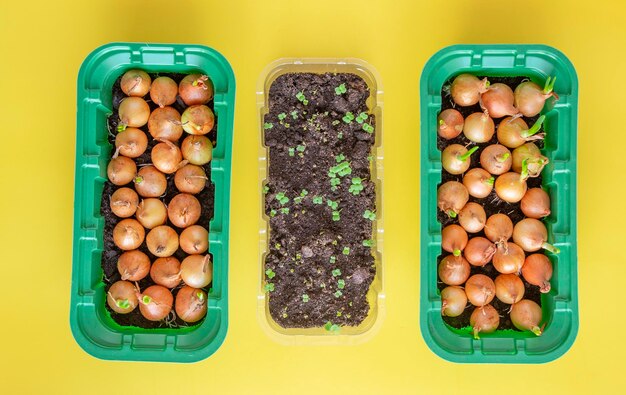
198 120
162 241
479 182
196 89
133 265
155 303
453 239
479 127
537 270
163 92
121 170
197 270
191 304
453 270
455 158
496 159
190 179
508 259
124 202
479 251
450 123
452 197
150 182
164 124
198 150
509 288
122 297
510 187
472 217
128 234
528 161
526 316
131 142
166 272
480 290
532 235
513 132
453 301
166 157
135 83
536 203
530 98
184 210
498 101
466 89
499 228
484 319
194 240
151 213
133 112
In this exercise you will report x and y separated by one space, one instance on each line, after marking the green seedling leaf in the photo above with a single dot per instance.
268 125
336 272
270 273
346 251
341 284
305 298
269 287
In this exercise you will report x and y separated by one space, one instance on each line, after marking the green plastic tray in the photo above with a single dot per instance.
560 305
91 324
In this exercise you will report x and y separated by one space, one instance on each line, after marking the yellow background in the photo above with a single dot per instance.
42 44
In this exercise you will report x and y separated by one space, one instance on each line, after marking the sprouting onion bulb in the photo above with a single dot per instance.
537 270
453 270
155 303
530 98
131 142
166 157
163 91
479 251
197 270
535 203
513 132
198 150
455 158
499 228
135 83
184 210
133 112
190 179
196 89
150 182
121 170
479 127
128 234
472 217
480 290
166 272
479 182
151 213
133 265
124 202
453 239
122 297
528 161
484 319
526 316
452 197
496 159
508 258
509 288
453 301
510 187
466 89
165 124
191 304
498 101
194 240
198 120
162 241
532 235
449 123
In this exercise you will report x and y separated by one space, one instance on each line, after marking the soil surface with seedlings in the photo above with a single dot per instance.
492 204
111 252
318 269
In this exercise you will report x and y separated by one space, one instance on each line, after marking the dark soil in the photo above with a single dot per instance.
304 241
492 205
111 252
